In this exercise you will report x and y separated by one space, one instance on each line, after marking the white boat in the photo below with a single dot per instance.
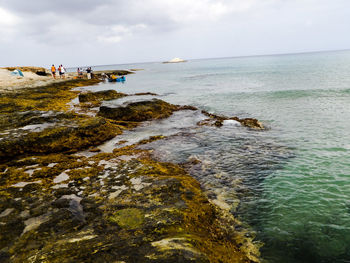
175 60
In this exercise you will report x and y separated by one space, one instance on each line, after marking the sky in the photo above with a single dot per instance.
103 32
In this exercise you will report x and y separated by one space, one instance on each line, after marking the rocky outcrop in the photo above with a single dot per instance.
55 96
63 136
115 207
59 206
139 111
146 93
100 96
112 72
217 120
33 121
38 70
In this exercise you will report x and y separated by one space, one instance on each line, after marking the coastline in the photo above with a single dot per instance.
57 203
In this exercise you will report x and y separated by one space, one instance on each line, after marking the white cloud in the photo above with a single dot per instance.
7 18
189 11
109 39
117 33
8 23
187 28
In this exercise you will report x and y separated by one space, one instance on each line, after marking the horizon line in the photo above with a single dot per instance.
230 57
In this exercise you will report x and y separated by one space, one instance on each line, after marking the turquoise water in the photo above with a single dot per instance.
293 179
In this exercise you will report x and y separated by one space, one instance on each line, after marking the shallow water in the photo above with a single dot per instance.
292 180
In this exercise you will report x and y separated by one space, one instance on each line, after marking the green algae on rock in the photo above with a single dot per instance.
64 136
55 96
129 218
217 120
31 124
121 206
110 207
139 111
100 95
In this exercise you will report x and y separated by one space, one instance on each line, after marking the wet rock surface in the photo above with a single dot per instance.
65 136
100 95
102 208
139 111
218 121
60 205
54 97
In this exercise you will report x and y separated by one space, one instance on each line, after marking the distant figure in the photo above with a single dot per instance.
89 70
79 73
53 71
59 71
62 72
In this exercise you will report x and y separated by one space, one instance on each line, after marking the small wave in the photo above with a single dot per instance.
295 94
346 91
232 123
207 75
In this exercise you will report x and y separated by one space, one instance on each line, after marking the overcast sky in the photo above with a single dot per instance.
99 32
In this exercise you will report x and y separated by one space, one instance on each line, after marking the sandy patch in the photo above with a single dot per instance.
9 82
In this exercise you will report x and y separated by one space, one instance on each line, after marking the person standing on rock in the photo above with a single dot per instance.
59 71
88 70
53 71
63 71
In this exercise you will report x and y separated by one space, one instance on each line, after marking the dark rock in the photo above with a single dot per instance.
187 107
252 123
61 203
85 133
218 123
146 93
42 73
100 95
217 120
63 191
139 111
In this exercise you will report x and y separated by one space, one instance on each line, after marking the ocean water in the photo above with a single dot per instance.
290 184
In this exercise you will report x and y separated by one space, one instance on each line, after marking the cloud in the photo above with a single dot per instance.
7 18
8 23
60 21
117 33
187 28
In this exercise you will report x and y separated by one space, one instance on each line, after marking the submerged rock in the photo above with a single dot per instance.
218 121
146 93
139 111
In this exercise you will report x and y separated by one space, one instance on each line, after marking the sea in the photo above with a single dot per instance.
288 184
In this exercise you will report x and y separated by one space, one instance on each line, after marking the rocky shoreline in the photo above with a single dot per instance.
59 204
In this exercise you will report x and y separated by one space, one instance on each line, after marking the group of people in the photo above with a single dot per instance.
61 71
88 71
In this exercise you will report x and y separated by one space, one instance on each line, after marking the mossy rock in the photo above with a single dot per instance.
139 111
71 137
169 219
129 218
218 120
21 119
100 95
54 96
